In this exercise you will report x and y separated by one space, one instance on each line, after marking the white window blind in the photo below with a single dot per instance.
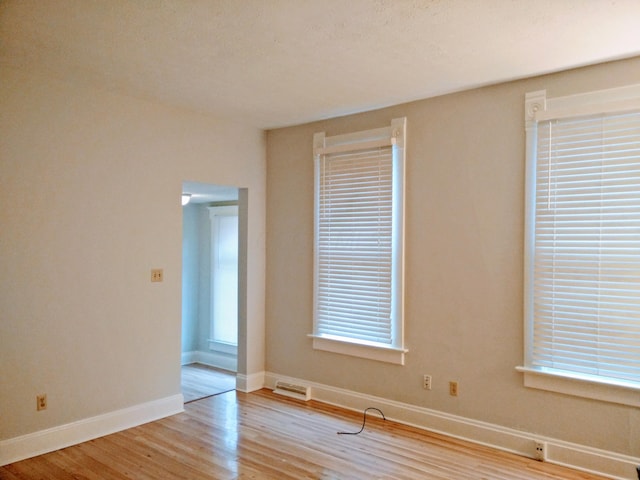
586 252
358 241
354 245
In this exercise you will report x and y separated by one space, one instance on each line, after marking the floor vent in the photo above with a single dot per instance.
294 391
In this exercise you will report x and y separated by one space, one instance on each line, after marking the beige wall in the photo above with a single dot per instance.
464 263
89 203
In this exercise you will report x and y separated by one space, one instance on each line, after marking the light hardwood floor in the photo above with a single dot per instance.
199 381
265 436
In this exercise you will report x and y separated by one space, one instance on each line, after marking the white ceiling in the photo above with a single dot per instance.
273 63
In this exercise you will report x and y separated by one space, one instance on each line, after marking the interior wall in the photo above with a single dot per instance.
464 263
89 192
190 277
204 279
197 259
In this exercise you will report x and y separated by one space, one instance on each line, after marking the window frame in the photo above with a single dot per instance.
215 213
393 135
540 108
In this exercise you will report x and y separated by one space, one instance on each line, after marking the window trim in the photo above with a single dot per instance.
394 135
580 386
215 211
539 108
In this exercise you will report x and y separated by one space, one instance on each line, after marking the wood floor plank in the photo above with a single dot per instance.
81 458
265 436
200 381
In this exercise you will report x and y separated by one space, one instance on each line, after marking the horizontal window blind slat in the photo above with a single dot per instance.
605 359
344 304
363 318
362 283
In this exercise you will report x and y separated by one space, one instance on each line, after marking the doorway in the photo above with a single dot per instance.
210 290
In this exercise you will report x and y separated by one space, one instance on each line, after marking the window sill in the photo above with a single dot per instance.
581 386
360 349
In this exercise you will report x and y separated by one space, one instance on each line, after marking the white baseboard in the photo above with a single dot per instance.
250 383
45 441
579 457
187 358
213 359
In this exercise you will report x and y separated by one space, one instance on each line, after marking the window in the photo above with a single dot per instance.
358 251
582 260
224 279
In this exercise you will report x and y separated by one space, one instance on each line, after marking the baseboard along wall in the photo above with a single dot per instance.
213 359
579 457
45 441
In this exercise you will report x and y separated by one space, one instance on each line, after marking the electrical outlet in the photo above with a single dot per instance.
453 389
541 451
426 382
41 402
157 275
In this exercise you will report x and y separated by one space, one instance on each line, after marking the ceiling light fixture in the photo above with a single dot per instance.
185 198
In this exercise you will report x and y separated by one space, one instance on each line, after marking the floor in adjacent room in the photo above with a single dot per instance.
201 381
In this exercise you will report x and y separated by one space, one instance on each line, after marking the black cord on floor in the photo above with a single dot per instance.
364 421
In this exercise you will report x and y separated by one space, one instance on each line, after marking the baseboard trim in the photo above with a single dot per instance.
45 441
220 360
250 383
188 357
579 457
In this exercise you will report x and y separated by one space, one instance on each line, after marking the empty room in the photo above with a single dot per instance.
435 252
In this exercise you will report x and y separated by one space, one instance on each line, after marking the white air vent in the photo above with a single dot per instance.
294 391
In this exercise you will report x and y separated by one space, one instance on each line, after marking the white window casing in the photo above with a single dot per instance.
582 244
359 243
223 324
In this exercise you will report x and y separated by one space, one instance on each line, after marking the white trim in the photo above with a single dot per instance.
250 383
538 107
62 436
360 349
219 360
586 110
222 347
345 147
395 135
581 386
618 99
579 457
399 137
188 357
214 213
213 359
534 102
386 134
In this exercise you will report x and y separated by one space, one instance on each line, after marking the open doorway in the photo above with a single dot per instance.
210 290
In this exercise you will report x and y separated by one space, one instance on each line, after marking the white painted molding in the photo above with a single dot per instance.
188 357
49 440
581 386
534 102
612 100
250 383
579 457
212 359
362 350
539 107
